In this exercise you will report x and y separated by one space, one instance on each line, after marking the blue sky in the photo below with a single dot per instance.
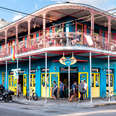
30 6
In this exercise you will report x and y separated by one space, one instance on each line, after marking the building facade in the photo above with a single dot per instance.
35 43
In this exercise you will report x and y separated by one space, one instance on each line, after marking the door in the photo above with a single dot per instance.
12 84
95 90
24 84
54 76
79 33
43 87
32 83
83 76
111 82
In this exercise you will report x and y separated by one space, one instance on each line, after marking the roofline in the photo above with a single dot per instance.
56 5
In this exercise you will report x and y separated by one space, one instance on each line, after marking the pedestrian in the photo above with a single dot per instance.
81 89
85 89
61 89
19 90
74 91
55 88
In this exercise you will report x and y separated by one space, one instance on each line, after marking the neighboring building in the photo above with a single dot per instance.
39 40
3 23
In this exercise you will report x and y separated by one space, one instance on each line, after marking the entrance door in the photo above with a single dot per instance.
95 85
111 82
64 79
54 76
43 89
24 84
83 76
32 83
12 84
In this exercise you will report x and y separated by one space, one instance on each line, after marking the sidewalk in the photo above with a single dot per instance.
64 102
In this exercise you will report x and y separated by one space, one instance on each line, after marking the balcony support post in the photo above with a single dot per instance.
90 60
109 32
17 41
29 75
46 77
92 25
6 51
29 31
6 75
44 30
109 37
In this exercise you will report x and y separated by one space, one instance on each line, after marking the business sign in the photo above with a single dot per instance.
95 70
68 61
111 71
43 70
65 69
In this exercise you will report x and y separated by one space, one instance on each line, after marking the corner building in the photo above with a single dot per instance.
39 40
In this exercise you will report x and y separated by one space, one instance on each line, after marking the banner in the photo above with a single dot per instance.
13 51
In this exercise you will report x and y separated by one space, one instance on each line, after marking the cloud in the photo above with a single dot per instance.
96 3
16 17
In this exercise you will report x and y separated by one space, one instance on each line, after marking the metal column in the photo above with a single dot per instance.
90 59
46 77
109 76
69 81
6 74
17 74
29 74
44 30
109 37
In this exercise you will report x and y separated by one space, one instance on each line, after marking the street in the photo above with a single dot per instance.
51 109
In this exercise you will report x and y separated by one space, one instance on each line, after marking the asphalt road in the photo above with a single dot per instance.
14 109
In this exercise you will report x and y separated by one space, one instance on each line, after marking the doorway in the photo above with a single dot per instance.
64 79
95 85
20 84
111 82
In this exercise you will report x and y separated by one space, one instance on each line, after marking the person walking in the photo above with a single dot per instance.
81 89
85 89
74 91
55 88
61 90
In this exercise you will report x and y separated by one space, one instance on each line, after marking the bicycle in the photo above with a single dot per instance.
33 96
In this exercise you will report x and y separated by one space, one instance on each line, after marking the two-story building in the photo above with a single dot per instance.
35 43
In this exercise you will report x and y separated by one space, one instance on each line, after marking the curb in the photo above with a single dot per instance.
104 104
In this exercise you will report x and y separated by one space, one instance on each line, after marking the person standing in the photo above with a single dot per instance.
61 89
74 91
55 88
85 89
81 89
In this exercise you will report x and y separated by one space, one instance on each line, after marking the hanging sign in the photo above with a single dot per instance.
68 61
111 70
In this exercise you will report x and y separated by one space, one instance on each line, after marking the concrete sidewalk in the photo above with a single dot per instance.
64 102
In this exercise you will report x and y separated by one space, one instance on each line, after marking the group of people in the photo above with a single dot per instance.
75 88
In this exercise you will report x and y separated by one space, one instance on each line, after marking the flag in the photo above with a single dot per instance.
13 51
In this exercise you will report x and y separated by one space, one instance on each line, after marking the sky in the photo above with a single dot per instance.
30 6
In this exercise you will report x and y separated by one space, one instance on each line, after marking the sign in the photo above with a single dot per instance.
95 70
65 69
111 71
43 70
68 61
33 71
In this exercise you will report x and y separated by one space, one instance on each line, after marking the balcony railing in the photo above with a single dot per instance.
61 39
